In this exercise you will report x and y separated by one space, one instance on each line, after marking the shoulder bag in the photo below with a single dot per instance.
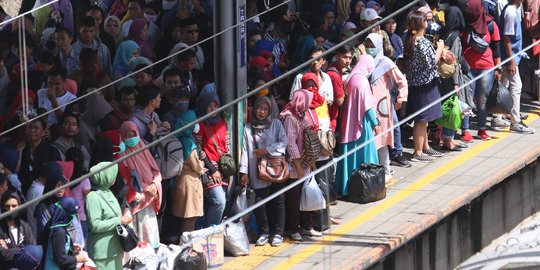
128 237
226 162
271 168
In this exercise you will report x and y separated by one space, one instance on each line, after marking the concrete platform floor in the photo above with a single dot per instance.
417 198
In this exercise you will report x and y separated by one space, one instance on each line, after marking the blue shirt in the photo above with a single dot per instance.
511 27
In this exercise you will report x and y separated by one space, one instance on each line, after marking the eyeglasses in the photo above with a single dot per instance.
193 31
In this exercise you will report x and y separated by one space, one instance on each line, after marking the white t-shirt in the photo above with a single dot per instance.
45 103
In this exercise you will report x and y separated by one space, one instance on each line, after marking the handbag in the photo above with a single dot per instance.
499 99
327 139
226 162
128 237
311 197
451 111
447 65
273 169
477 42
367 184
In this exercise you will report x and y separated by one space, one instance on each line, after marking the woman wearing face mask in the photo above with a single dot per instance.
104 214
386 78
60 251
264 136
149 197
187 204
15 233
179 98
126 51
212 139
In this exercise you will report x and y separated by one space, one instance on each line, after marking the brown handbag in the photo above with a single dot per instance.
273 169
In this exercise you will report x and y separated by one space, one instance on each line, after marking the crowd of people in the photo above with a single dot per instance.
336 103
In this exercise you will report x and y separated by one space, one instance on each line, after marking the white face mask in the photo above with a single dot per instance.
151 18
196 129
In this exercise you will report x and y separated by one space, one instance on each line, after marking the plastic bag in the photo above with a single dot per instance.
451 111
499 99
142 256
236 239
367 184
189 259
242 199
311 198
166 255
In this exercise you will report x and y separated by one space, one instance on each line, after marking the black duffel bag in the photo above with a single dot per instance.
499 99
367 184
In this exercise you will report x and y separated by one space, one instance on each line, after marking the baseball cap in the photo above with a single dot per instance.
181 91
369 14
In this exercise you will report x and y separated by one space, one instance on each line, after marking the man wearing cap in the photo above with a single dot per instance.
179 98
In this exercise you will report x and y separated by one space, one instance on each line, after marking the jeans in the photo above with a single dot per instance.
272 214
447 133
481 89
514 85
214 207
398 147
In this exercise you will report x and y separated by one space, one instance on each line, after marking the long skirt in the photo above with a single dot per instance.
367 154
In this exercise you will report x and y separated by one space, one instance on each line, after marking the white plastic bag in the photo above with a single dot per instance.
236 239
241 202
166 256
142 257
311 198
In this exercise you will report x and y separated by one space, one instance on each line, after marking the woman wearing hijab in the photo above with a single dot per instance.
455 25
148 198
295 118
14 231
112 26
384 79
480 22
138 32
358 123
126 51
264 136
355 8
187 204
104 214
212 138
60 251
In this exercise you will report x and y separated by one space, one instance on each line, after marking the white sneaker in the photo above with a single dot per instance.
311 232
522 128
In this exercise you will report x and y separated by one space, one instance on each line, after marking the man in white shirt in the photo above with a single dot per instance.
55 95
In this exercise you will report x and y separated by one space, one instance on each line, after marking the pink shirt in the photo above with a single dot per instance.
78 194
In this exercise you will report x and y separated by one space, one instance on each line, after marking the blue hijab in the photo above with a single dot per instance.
123 55
63 213
204 102
186 136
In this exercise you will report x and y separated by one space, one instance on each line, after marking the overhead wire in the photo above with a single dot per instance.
28 12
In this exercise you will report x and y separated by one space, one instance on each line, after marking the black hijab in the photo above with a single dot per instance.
454 21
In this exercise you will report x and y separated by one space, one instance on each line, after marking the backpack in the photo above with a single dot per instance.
168 155
311 145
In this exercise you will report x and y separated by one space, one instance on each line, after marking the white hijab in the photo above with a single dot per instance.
383 64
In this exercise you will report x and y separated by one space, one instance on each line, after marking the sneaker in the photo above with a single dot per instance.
423 158
523 116
311 232
387 178
433 153
522 128
263 240
400 161
277 240
296 236
499 124
482 134
466 137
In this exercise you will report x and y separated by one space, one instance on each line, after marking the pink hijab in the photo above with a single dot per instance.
135 34
146 167
298 105
359 100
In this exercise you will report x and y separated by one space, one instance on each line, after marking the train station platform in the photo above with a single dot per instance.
416 225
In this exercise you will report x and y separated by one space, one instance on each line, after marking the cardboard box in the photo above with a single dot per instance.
213 248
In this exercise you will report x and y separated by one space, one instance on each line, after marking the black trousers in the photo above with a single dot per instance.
271 216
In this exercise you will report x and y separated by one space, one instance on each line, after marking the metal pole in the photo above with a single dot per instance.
226 67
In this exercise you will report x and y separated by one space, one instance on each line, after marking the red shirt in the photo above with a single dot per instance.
484 60
339 92
219 131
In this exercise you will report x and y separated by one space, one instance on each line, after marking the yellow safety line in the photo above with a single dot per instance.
393 200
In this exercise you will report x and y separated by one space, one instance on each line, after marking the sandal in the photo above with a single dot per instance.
335 221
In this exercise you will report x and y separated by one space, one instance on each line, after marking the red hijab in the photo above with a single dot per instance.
476 16
310 82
